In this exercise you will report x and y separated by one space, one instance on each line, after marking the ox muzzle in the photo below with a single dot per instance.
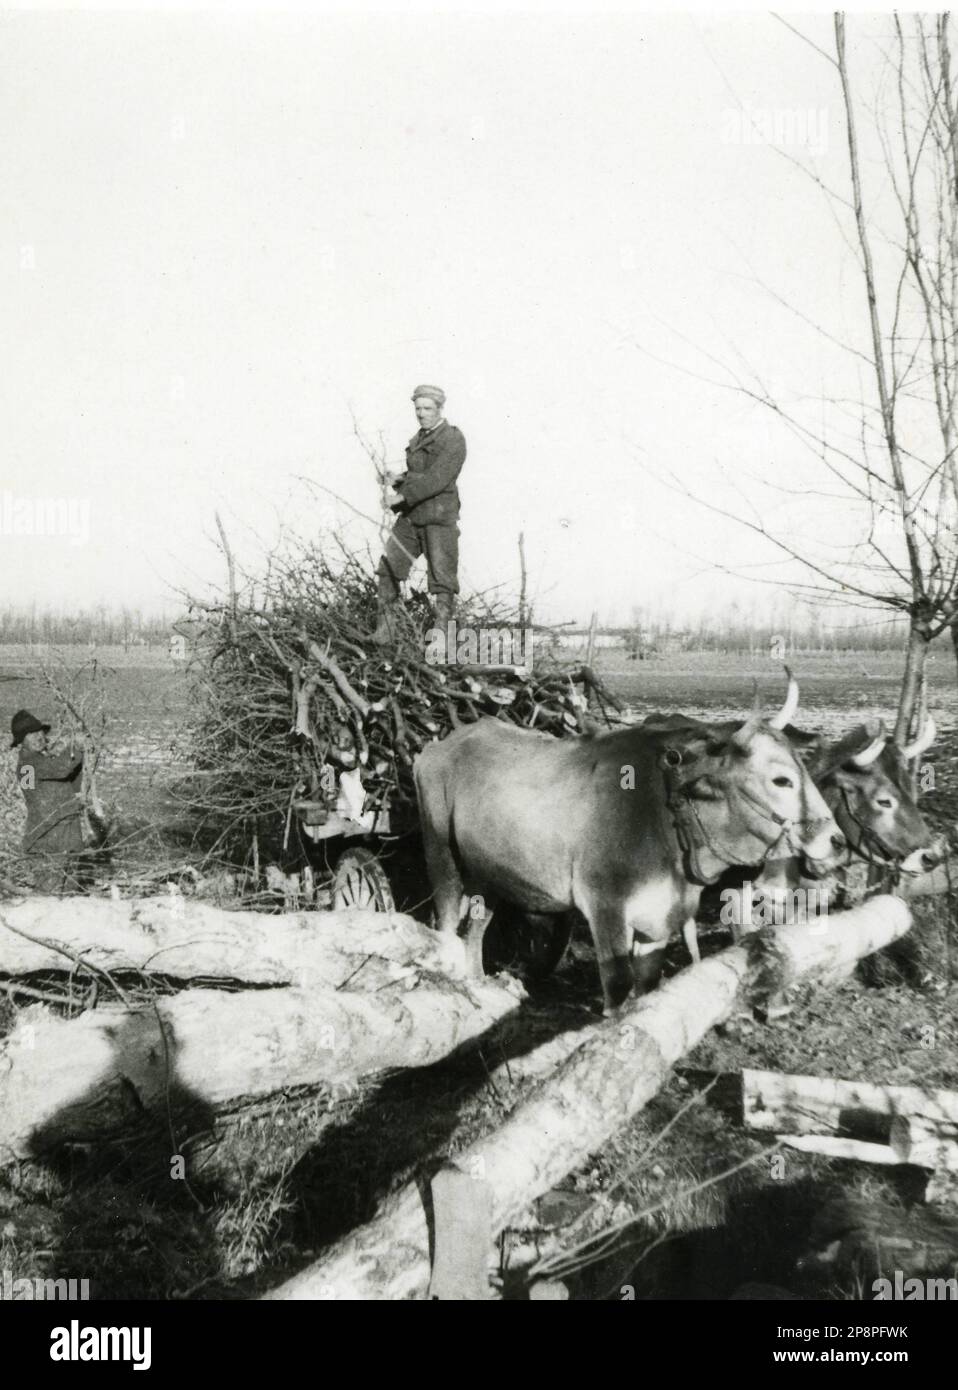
825 852
922 861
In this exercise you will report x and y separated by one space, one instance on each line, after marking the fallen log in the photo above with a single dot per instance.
855 1109
185 939
831 1146
828 949
78 1079
613 1070
928 1144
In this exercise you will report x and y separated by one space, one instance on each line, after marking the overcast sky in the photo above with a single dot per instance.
222 235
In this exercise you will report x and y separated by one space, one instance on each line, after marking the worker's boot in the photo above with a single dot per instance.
387 624
444 610
385 630
387 615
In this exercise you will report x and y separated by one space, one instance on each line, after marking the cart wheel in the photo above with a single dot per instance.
532 943
359 880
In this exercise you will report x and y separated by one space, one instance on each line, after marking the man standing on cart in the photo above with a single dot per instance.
428 514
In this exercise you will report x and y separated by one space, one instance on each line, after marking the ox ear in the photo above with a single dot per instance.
704 788
804 745
800 738
844 778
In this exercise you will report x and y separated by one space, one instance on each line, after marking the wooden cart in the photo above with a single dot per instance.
355 840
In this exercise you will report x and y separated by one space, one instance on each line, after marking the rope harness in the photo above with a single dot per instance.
869 840
693 835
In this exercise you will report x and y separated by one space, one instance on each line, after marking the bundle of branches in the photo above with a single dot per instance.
292 693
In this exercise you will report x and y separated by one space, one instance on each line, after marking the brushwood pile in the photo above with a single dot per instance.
290 692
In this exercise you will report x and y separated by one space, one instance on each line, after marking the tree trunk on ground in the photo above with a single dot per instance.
102 1073
926 1143
613 1070
835 1146
185 939
780 1102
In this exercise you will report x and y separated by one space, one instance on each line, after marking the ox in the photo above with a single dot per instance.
625 827
864 781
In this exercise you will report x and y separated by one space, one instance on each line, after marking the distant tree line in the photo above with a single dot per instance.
873 637
766 641
102 626
734 629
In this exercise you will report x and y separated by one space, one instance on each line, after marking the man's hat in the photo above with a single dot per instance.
432 393
23 723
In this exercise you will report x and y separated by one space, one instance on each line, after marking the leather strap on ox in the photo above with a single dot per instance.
867 841
694 836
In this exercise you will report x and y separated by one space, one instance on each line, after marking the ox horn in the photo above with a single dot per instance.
869 754
743 736
924 740
787 713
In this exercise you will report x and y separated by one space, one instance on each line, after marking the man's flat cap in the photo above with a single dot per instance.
432 393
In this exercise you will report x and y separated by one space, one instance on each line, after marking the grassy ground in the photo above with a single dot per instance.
270 1185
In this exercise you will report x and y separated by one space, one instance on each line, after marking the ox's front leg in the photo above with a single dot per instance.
446 881
657 912
448 900
648 957
478 915
613 949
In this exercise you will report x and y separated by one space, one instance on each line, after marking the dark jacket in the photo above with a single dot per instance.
434 459
53 807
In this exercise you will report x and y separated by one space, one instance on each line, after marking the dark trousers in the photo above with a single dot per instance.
439 544
61 873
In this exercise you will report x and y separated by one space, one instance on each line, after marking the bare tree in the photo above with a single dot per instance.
914 355
894 465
